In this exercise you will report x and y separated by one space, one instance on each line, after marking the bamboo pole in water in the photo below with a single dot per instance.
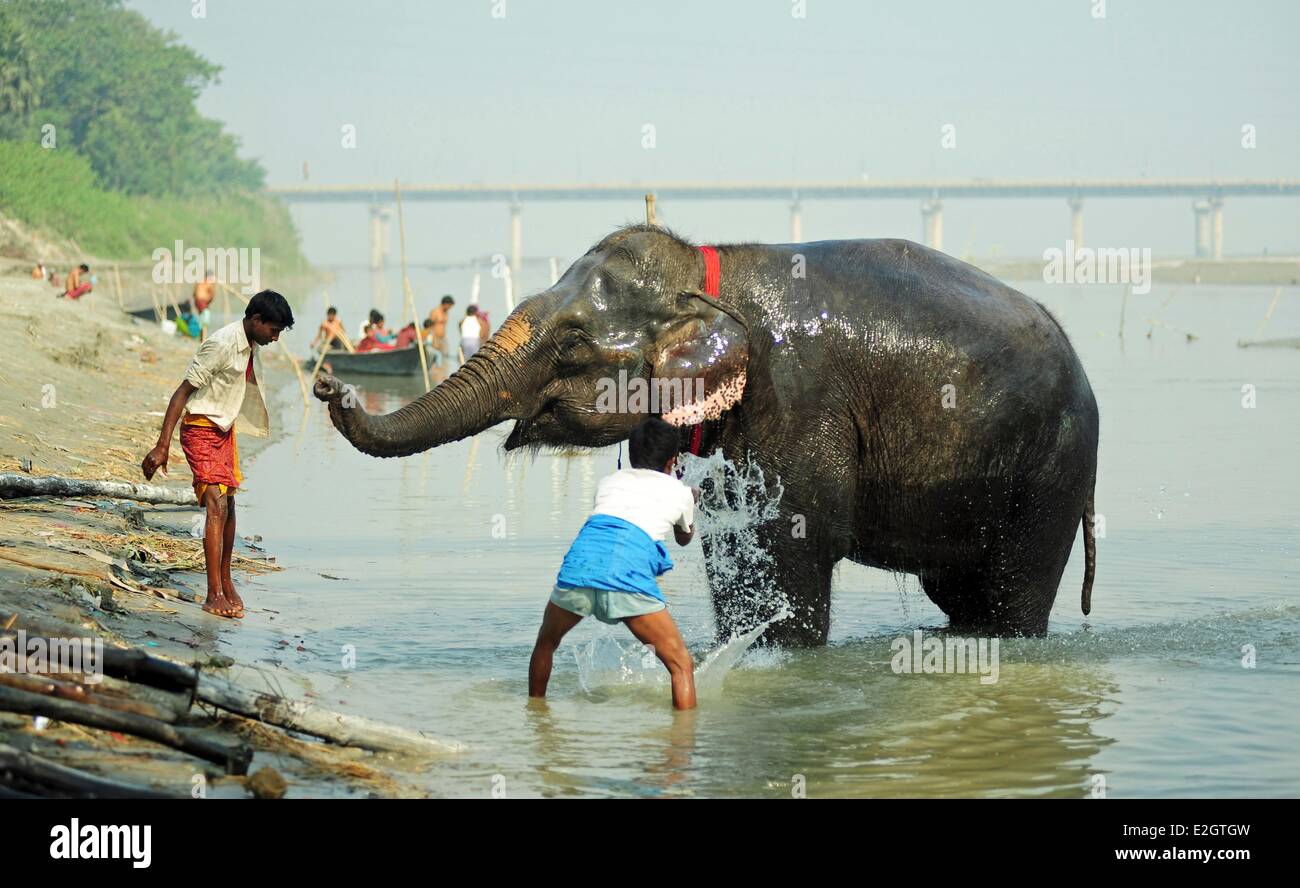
406 287
1123 306
650 209
1268 314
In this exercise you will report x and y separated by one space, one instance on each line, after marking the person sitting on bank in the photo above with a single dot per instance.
38 271
78 283
201 301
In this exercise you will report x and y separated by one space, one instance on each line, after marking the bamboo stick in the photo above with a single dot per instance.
1268 314
406 287
650 209
117 278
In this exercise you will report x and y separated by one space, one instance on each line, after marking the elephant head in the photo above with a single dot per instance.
630 309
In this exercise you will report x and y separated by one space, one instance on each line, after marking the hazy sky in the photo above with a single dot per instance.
560 91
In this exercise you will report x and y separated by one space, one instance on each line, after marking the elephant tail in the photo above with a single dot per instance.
1089 557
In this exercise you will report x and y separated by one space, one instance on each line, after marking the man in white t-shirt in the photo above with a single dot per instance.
610 569
471 333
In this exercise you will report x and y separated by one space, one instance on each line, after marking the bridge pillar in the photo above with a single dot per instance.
1201 213
1076 221
379 218
796 222
932 223
516 247
1216 228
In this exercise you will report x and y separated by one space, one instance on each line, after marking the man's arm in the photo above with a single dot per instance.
685 536
157 458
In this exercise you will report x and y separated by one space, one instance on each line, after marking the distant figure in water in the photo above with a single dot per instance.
438 328
609 571
78 283
38 271
222 387
471 333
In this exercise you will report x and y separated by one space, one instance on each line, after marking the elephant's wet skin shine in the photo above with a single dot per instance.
922 416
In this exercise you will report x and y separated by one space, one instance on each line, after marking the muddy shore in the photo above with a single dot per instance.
82 390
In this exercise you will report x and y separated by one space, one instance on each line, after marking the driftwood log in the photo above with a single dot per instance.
49 686
308 718
14 485
233 758
305 717
32 772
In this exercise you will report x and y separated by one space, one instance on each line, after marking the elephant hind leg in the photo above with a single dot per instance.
995 601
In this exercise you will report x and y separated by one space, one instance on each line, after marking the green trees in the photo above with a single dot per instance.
119 92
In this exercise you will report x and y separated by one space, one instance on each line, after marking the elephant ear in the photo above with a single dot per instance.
707 350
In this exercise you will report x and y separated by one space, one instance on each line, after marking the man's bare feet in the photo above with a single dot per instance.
218 606
232 598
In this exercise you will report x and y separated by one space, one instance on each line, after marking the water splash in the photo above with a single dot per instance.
606 661
736 501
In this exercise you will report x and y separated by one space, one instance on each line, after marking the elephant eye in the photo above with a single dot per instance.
572 345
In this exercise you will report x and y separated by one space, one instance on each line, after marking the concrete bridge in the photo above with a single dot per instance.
1208 196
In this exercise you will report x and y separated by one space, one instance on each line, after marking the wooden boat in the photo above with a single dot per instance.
380 362
1269 343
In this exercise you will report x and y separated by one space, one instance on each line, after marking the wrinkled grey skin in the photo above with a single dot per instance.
844 375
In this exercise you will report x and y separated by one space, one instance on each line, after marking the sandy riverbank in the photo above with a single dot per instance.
82 390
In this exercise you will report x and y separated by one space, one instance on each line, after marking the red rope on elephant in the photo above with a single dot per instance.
712 279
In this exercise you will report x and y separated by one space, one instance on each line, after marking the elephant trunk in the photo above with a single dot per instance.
472 399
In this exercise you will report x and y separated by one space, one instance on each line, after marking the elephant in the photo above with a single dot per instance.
921 416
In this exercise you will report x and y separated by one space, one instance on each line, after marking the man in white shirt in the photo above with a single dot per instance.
610 569
471 333
221 386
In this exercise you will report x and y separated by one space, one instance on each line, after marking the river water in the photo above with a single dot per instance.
433 571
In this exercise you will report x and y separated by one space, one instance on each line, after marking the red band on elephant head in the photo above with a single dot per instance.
712 278
712 270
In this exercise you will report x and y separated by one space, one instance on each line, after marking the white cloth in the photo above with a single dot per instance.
651 500
223 395
470 328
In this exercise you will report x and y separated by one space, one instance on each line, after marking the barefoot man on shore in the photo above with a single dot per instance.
222 384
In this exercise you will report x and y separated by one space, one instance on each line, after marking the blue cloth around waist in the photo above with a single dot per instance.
610 553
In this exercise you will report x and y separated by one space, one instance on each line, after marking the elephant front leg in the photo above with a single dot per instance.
781 579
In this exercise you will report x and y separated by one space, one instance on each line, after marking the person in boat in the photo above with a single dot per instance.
369 343
330 333
471 333
438 335
609 571
201 301
222 387
379 331
78 283
406 336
